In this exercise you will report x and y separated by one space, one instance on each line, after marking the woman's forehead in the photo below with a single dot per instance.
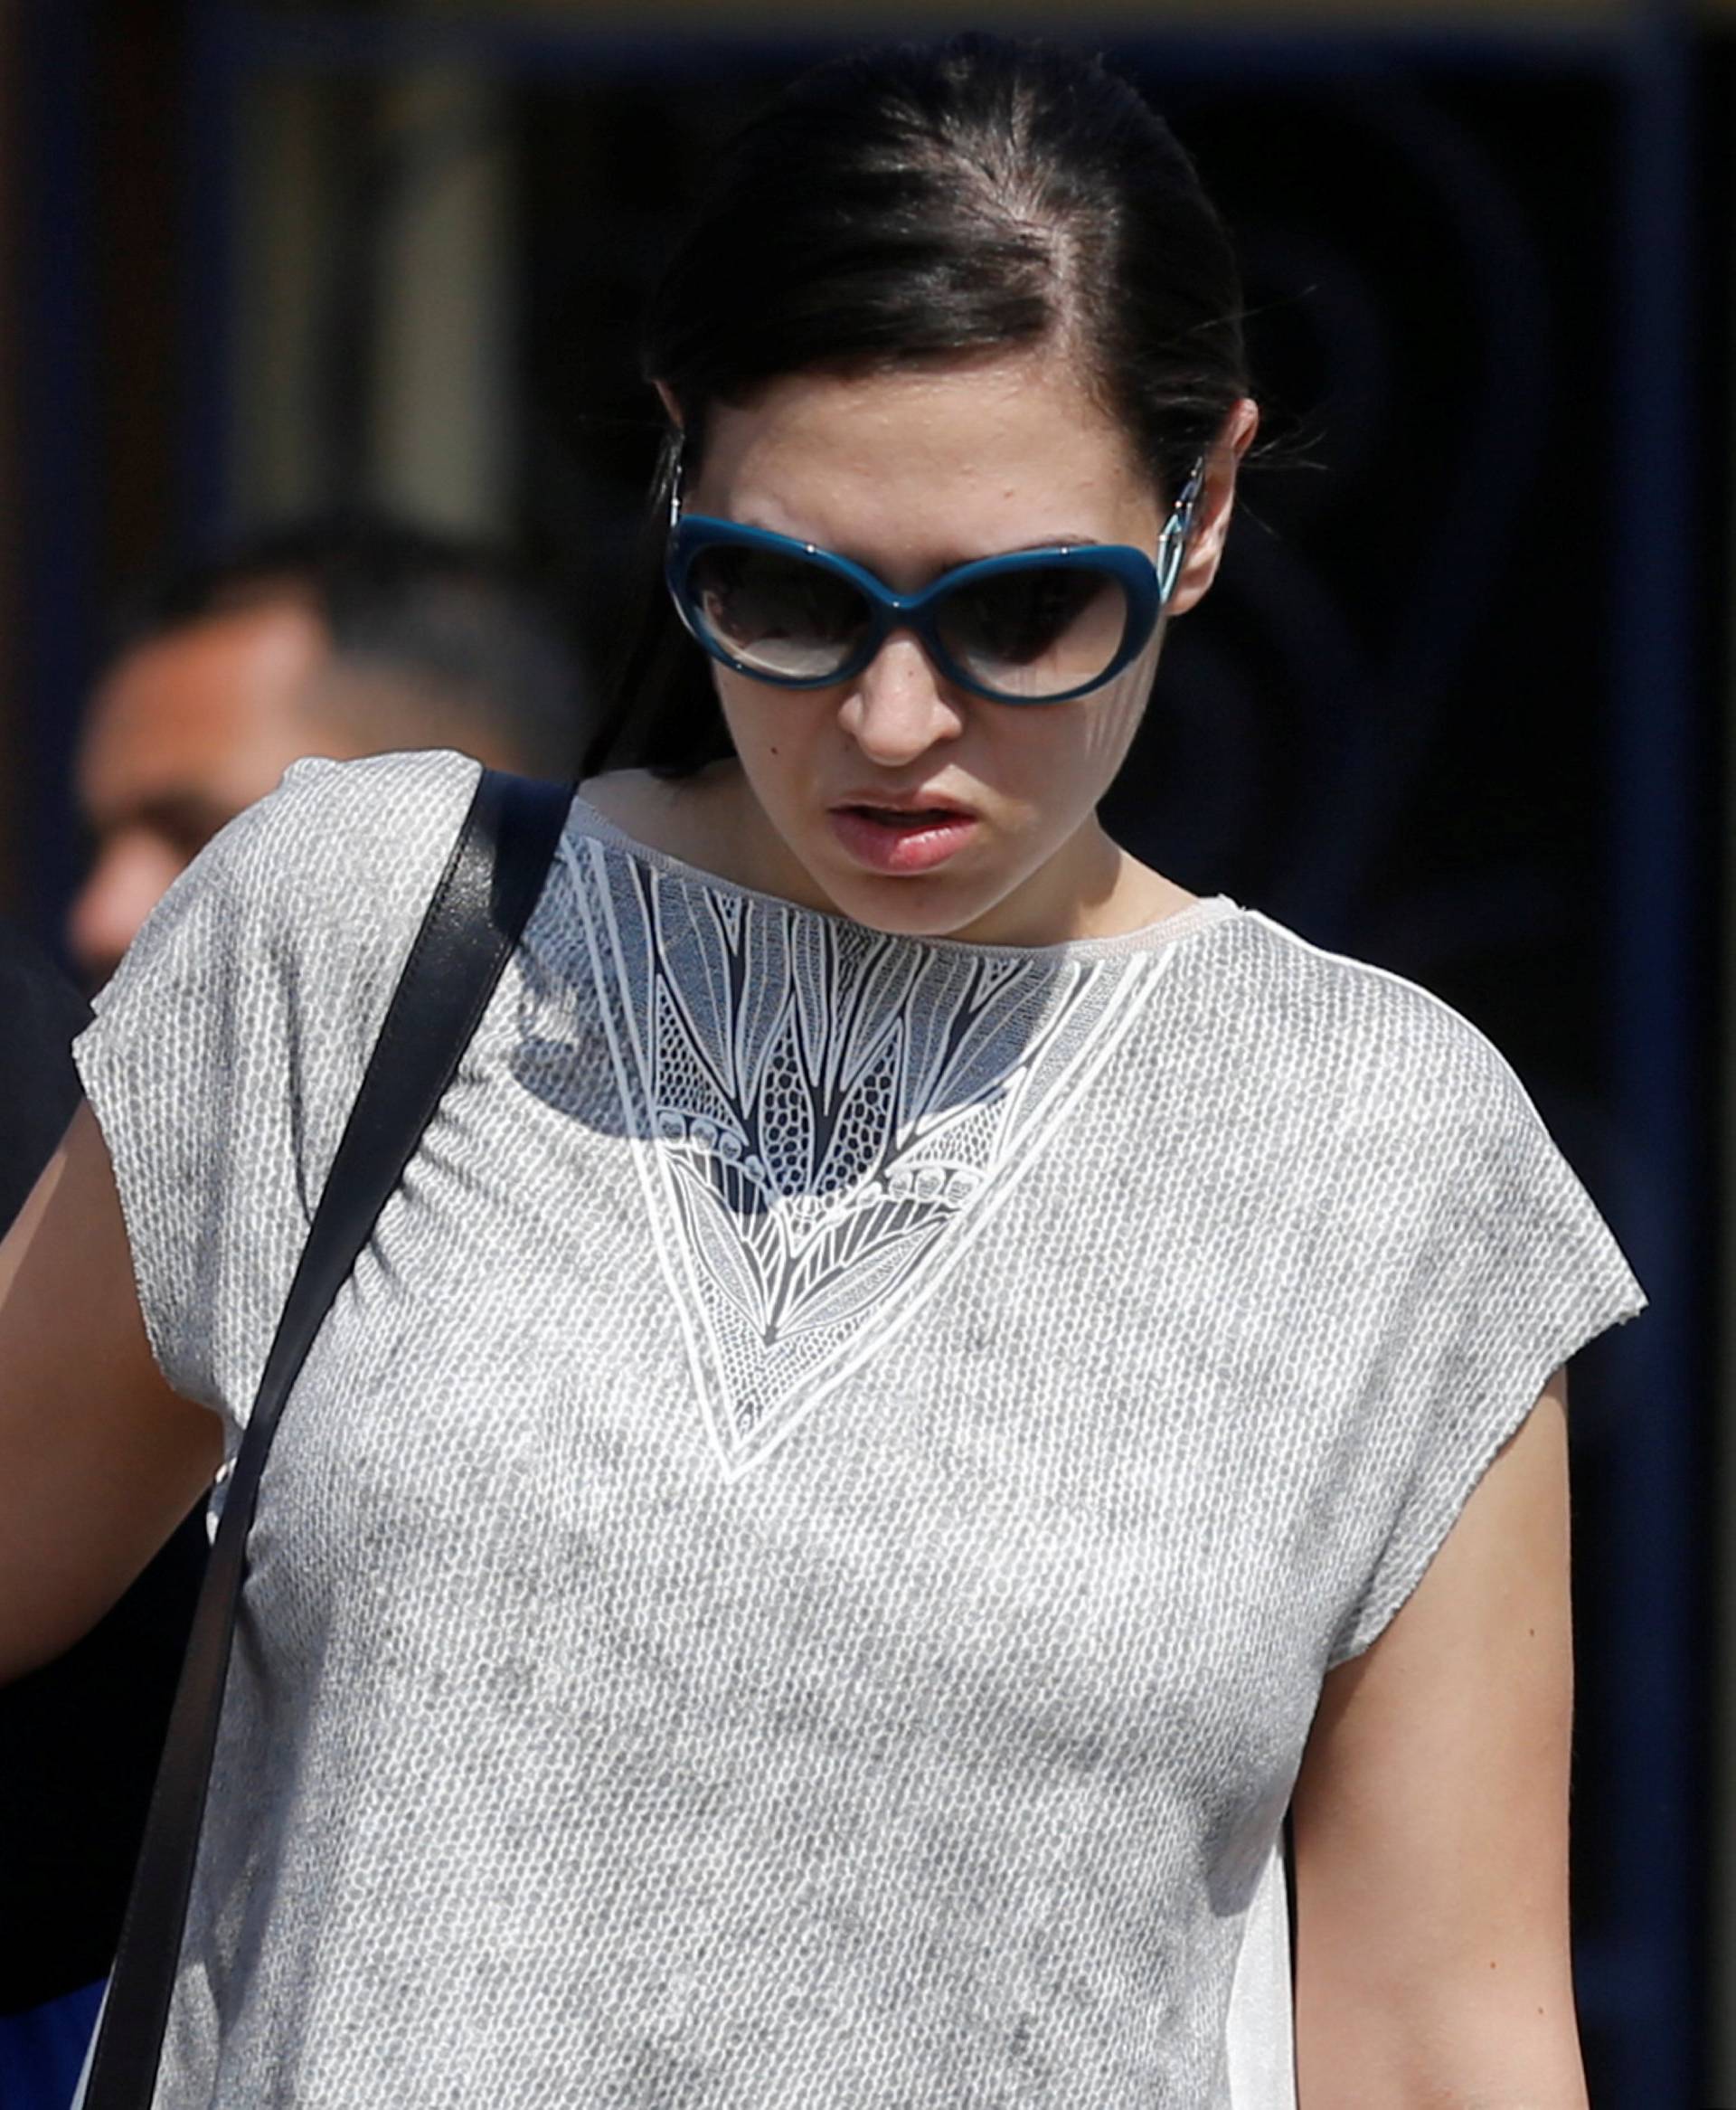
979 452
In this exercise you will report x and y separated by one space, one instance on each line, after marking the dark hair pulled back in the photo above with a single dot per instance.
909 203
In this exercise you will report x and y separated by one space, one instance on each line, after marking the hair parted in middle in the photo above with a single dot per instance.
916 202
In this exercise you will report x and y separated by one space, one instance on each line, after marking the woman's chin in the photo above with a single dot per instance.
929 905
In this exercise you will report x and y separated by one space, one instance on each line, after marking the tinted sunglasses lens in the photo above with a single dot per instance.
1037 631
776 614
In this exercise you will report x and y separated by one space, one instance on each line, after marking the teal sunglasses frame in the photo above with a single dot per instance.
1147 585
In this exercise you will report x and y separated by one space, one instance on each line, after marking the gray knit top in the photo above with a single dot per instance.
799 1571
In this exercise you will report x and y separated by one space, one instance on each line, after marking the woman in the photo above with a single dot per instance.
925 1384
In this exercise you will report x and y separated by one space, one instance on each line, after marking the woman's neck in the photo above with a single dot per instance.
1092 888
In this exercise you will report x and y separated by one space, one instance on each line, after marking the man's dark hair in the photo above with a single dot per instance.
437 623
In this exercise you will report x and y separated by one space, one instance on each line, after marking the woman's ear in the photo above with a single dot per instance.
1217 502
666 397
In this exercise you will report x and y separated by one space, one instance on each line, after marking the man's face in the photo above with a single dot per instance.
183 732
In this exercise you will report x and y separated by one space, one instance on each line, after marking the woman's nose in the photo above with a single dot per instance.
896 708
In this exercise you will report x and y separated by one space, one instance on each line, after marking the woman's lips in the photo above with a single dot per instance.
897 842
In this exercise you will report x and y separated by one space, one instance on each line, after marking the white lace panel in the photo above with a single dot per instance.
830 1115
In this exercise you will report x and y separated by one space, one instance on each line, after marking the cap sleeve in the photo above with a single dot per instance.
1511 1271
228 1049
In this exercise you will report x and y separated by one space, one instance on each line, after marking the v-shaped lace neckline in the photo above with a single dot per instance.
827 1116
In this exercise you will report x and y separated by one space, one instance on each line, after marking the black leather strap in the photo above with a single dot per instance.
491 884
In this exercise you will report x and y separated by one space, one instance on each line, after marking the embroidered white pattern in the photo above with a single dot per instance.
830 1115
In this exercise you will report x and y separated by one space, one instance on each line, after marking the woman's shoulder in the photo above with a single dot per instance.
228 1046
302 908
342 856
331 828
1377 1045
1377 1098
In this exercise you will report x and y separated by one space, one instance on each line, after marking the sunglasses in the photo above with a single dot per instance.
1032 627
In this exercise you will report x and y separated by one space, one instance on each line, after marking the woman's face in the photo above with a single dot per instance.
896 797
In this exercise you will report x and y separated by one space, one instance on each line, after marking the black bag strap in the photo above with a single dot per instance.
491 883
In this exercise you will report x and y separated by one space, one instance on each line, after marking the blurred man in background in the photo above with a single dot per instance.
343 638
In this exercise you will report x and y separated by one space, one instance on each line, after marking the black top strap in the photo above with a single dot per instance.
491 883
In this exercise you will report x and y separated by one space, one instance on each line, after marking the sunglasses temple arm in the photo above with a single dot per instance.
1178 527
675 488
